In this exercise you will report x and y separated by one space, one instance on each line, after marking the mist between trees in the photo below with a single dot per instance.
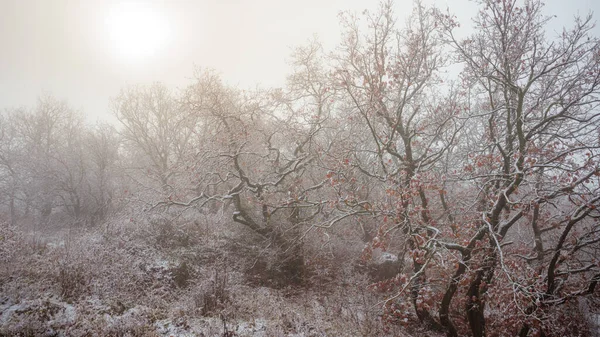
482 188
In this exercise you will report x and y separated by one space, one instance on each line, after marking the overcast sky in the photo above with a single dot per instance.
67 48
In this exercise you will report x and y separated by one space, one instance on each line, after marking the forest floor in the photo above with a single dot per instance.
130 280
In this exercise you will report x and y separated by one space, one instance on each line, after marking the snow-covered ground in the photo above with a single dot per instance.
80 283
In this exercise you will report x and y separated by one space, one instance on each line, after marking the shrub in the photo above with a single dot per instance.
181 275
73 282
214 296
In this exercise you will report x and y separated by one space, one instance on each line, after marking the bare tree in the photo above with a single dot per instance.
10 161
157 131
536 99
101 144
50 136
391 79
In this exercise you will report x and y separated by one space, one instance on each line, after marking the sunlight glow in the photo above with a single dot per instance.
137 31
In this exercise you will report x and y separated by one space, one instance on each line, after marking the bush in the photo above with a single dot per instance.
73 282
171 235
181 275
277 268
214 296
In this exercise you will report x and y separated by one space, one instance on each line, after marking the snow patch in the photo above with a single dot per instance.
387 257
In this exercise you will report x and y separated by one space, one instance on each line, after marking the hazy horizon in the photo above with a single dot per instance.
66 48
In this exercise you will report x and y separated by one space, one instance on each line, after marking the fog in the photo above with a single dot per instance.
63 47
316 168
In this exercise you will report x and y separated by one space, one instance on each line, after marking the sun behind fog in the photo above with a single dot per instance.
136 30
